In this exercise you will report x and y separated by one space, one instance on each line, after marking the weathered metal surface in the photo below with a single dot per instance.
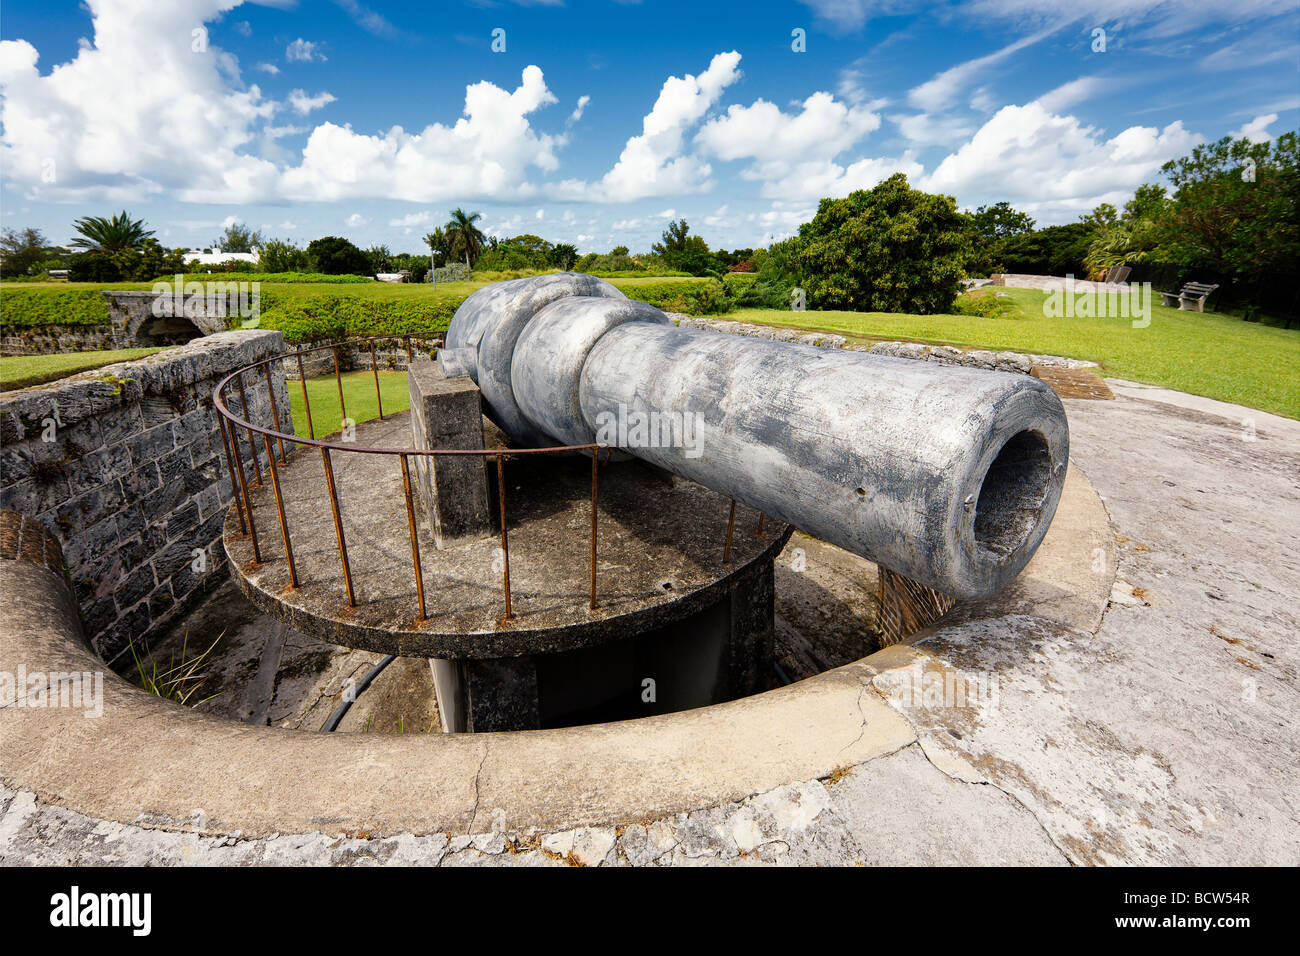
948 476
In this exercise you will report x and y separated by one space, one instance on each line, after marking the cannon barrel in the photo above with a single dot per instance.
949 476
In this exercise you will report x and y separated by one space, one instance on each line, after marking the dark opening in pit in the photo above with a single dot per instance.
1012 493
170 330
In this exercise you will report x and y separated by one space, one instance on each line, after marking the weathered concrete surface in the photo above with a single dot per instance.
1167 734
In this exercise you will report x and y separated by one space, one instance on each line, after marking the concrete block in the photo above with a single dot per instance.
453 490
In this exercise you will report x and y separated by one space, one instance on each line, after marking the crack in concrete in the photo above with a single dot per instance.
473 818
919 742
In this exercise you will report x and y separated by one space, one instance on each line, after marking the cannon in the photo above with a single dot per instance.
949 476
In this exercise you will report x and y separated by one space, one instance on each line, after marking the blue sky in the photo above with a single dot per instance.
602 120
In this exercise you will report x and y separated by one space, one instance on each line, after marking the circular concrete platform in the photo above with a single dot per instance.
660 555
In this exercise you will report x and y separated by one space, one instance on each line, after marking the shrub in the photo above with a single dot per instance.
331 318
986 305
28 308
334 255
887 249
93 267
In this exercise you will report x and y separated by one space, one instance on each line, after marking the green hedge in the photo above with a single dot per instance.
330 318
295 277
28 308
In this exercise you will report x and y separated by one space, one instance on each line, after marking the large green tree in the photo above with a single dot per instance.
333 255
886 249
110 235
1235 207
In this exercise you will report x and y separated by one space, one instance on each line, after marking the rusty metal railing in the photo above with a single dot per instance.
233 425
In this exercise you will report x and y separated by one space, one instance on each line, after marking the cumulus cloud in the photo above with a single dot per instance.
652 163
1257 129
578 110
1048 162
270 68
487 152
793 154
135 113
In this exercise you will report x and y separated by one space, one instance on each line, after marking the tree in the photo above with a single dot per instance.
1101 217
1052 250
380 259
887 249
466 236
618 251
683 252
1235 208
275 255
991 223
239 238
333 255
110 235
20 250
563 255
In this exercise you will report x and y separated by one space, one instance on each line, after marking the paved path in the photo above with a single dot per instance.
1167 735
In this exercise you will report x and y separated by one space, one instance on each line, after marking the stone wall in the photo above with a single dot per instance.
126 465
45 339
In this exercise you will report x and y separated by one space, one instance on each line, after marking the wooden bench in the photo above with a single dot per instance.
1191 298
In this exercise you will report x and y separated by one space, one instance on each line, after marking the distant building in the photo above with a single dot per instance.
215 256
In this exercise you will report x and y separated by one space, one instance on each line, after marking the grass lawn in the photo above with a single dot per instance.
20 371
1217 356
358 394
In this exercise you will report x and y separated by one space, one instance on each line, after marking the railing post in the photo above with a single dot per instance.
415 541
338 524
279 507
505 542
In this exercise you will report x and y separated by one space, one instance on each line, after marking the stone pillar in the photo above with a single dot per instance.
453 490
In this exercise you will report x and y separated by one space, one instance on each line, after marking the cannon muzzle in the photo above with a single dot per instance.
946 475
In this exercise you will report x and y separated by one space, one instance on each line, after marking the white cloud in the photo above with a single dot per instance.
1257 129
929 129
943 90
303 51
303 104
1047 162
794 153
356 219
413 219
135 114
578 110
487 153
270 68
366 18
244 28
651 164
1072 93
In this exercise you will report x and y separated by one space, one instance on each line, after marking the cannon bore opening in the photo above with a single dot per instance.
1011 496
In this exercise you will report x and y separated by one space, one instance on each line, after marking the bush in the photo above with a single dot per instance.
276 255
331 318
986 305
230 265
28 308
1052 251
334 255
93 267
452 272
701 297
887 249
296 278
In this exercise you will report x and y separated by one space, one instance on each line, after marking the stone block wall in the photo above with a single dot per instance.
126 465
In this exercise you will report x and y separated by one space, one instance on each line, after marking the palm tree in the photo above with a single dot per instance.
110 235
466 235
